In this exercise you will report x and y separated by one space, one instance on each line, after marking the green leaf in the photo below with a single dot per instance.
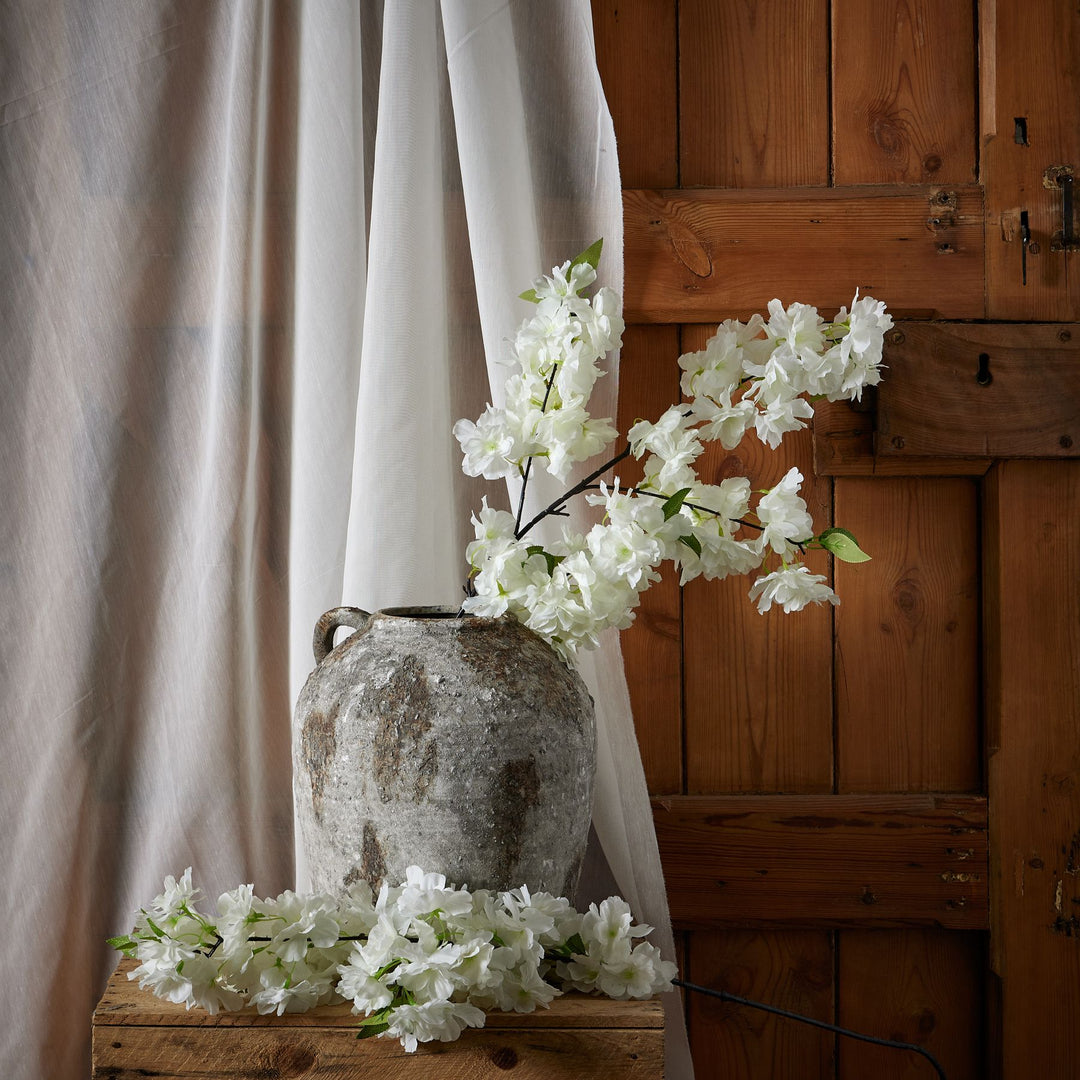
124 944
590 255
576 945
551 560
673 505
530 295
567 949
154 926
372 1031
374 1023
376 1018
692 542
843 545
387 968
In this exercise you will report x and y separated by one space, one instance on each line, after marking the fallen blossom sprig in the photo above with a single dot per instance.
750 377
420 961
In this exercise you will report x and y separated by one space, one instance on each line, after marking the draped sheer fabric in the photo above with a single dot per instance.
255 259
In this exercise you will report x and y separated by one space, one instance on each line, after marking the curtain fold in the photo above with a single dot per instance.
255 259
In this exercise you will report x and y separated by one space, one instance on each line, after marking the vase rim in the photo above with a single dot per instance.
420 611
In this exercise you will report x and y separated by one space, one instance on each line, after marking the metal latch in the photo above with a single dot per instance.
1060 177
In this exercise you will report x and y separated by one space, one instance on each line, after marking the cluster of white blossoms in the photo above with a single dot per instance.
421 961
753 376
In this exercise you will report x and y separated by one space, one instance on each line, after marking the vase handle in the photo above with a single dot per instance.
328 624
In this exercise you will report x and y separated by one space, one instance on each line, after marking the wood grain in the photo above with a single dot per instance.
919 986
223 1053
758 688
907 637
792 970
903 100
636 43
1032 589
137 1034
700 256
124 1003
1032 49
824 860
844 446
931 402
753 93
652 646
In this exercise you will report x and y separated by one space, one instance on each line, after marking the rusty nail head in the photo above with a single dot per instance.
1033 248
898 442
1065 442
1064 335
896 337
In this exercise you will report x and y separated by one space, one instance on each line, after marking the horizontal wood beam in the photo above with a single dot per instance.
997 390
825 860
704 255
844 446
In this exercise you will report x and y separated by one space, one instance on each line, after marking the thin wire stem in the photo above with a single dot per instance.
723 995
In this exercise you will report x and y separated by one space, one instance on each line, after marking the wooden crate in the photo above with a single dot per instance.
138 1035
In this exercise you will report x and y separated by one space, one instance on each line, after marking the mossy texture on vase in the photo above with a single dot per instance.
462 744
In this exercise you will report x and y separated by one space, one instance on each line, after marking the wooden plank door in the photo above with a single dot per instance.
871 814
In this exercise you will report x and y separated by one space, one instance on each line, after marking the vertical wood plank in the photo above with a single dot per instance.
1032 48
753 97
1032 588
907 634
792 970
758 688
635 52
652 646
903 92
918 986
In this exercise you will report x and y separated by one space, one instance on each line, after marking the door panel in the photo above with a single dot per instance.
871 814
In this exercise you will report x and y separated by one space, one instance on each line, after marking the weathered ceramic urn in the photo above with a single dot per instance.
462 745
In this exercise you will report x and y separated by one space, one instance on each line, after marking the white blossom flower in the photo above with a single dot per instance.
719 367
175 897
792 587
797 328
424 893
860 346
282 991
522 989
367 993
487 445
442 1020
672 438
602 327
625 552
569 435
608 924
723 420
783 515
781 415
565 280
755 374
639 974
429 955
295 923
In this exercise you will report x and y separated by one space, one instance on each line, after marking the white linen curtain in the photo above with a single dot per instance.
246 253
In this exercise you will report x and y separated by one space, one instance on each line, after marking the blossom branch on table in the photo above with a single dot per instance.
753 376
420 961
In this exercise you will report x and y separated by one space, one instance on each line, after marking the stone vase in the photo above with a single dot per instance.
463 745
